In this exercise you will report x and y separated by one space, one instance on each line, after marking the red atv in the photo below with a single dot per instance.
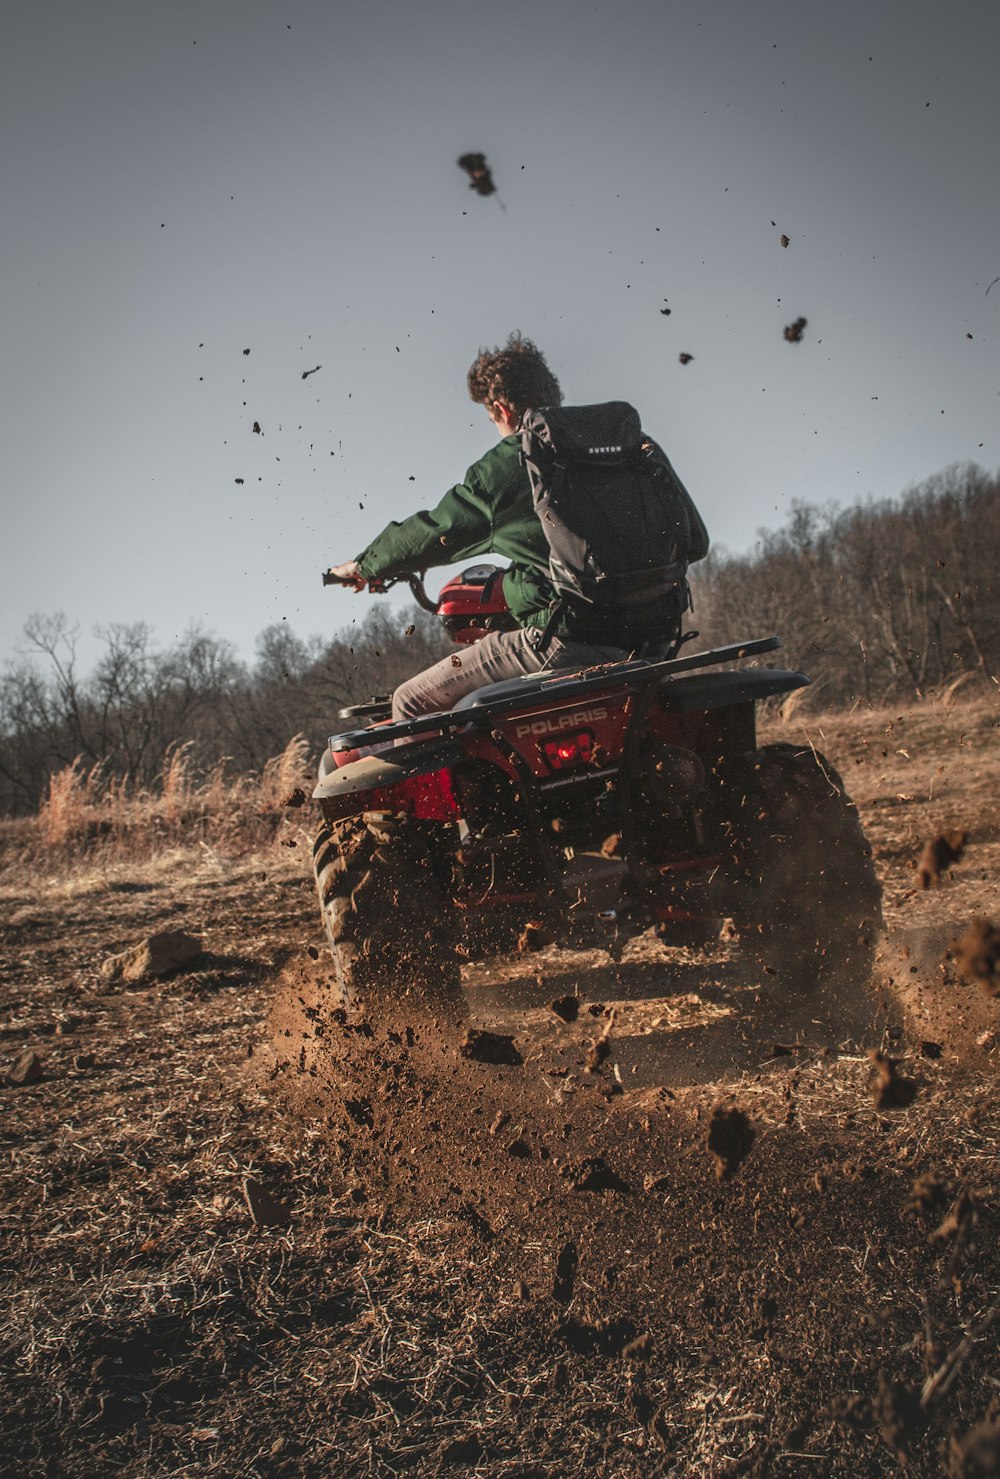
604 801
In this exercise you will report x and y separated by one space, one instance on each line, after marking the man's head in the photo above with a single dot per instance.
512 380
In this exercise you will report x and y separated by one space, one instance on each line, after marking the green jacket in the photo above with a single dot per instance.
490 512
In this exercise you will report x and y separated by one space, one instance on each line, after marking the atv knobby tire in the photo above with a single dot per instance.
802 892
390 924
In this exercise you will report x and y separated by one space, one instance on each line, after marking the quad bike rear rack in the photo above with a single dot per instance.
481 707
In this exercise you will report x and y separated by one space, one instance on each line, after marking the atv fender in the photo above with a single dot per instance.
720 690
382 772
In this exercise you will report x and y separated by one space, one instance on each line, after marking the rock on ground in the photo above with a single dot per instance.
156 955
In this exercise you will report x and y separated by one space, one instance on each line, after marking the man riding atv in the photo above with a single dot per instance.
573 769
494 511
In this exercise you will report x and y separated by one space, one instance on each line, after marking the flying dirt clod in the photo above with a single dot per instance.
977 954
730 1139
479 173
893 1090
940 853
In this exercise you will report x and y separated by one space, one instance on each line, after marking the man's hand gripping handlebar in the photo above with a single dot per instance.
349 575
346 574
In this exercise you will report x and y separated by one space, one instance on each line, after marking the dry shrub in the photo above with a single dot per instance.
116 803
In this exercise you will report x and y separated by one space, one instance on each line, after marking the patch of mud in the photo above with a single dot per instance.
449 1109
489 1047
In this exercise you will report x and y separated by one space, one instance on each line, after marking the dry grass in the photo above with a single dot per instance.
89 815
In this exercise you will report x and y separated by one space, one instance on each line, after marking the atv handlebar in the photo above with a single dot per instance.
379 587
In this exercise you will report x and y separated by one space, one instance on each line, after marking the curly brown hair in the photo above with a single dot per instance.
517 374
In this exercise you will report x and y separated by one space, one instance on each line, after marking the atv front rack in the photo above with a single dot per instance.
481 707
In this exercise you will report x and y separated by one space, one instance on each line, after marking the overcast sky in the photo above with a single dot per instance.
186 180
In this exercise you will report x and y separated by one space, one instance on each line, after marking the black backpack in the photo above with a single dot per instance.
617 519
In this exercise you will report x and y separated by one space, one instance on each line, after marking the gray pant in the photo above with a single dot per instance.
497 656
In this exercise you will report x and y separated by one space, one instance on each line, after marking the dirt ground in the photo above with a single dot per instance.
731 1248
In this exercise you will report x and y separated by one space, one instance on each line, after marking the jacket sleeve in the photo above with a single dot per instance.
460 526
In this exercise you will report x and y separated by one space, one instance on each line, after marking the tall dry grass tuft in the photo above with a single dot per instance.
222 792
72 807
293 768
790 708
177 794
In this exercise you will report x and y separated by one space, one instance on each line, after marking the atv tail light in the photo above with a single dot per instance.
569 749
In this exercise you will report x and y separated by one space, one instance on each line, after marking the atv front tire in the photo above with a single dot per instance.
803 892
390 924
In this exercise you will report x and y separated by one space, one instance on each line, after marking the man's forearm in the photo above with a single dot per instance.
453 531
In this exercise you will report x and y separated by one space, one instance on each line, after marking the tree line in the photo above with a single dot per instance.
881 601
140 704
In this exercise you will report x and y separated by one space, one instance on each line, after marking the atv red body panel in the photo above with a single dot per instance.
473 603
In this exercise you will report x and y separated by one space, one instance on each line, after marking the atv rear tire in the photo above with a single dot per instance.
390 924
803 894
